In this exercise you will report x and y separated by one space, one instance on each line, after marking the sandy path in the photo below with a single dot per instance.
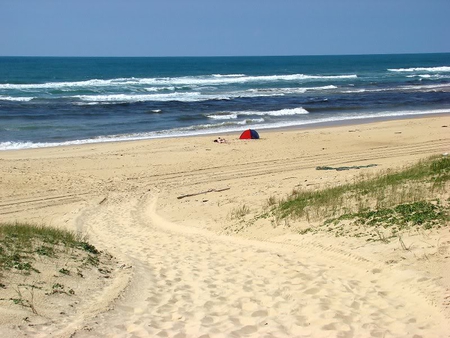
191 283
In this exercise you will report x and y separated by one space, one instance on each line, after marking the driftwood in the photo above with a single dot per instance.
202 192
346 168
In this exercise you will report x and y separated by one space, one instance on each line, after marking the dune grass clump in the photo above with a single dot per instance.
40 263
239 212
419 182
383 224
36 260
21 242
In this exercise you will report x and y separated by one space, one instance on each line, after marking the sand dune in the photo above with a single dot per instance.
196 273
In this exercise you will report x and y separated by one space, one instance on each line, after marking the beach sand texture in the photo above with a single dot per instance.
191 271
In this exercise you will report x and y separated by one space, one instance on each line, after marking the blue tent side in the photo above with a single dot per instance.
254 134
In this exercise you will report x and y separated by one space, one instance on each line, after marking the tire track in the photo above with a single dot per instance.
291 164
190 282
40 203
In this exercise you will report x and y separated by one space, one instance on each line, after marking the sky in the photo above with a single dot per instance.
222 27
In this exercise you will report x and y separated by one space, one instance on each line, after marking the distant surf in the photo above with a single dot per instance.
62 101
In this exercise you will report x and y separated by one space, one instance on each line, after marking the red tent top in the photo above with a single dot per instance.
249 134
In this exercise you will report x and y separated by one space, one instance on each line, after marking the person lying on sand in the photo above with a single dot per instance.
220 140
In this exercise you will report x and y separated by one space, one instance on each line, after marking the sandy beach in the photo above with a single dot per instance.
182 267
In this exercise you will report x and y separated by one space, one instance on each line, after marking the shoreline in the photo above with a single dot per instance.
309 126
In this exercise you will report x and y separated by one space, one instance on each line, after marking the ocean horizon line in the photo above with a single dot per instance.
221 56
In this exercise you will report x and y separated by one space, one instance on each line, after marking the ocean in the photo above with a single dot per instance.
52 101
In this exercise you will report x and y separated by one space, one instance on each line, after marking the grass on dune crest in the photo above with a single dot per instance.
415 195
20 241
34 259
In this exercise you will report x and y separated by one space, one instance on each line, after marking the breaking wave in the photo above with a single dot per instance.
235 115
125 98
422 69
175 81
222 127
16 99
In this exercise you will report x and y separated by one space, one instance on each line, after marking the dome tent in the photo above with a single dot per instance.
249 134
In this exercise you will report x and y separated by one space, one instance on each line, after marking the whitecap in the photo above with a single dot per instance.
18 99
223 116
281 112
422 69
287 91
215 79
127 98
235 115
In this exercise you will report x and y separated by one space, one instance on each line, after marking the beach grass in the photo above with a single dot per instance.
239 212
29 251
20 241
414 195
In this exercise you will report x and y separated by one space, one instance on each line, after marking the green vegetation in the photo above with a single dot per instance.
382 224
27 248
19 242
416 196
239 212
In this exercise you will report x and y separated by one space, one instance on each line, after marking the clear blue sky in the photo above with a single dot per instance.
222 27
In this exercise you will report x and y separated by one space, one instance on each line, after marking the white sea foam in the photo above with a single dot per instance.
228 75
235 115
282 112
118 82
322 88
204 95
223 116
18 99
293 77
57 85
284 91
128 98
153 89
238 78
193 96
430 76
357 116
423 76
424 88
223 127
427 87
165 89
354 91
168 82
422 69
